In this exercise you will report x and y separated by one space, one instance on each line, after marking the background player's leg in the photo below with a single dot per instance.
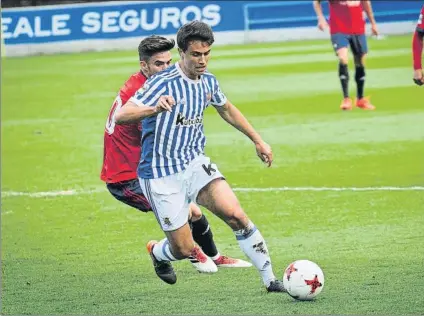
360 75
360 49
340 45
218 197
342 54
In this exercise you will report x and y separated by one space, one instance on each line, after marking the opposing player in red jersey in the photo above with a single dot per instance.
122 152
347 28
417 50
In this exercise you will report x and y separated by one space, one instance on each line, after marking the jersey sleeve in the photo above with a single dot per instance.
218 98
150 93
417 49
420 23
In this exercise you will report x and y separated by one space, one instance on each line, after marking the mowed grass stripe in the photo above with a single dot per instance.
287 86
374 129
271 86
216 65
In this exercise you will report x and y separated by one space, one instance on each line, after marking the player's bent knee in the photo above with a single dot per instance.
361 60
343 61
342 54
237 219
196 212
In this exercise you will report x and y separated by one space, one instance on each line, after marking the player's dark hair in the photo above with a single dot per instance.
152 45
194 31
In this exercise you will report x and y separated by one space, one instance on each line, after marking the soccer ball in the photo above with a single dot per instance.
303 280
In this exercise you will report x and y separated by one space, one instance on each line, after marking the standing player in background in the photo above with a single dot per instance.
122 151
347 28
417 50
174 170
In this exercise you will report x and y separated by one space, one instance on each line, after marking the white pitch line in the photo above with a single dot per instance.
275 189
51 193
414 188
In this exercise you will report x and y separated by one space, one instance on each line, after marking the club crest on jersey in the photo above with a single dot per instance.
183 121
144 88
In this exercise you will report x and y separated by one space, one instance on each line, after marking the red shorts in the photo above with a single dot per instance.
130 193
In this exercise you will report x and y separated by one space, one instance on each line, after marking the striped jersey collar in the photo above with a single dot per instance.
183 75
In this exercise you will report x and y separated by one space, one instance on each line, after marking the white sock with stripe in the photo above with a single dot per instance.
162 251
253 245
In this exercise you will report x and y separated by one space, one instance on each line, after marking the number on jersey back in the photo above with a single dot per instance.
110 122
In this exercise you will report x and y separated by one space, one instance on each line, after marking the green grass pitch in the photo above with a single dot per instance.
84 252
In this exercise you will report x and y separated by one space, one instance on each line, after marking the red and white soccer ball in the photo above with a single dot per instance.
303 279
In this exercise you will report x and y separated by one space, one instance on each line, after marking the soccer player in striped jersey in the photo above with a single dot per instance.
174 171
417 50
347 28
121 154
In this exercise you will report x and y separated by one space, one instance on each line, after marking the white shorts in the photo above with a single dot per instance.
170 196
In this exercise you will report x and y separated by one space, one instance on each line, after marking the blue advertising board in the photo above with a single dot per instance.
121 19
290 14
118 20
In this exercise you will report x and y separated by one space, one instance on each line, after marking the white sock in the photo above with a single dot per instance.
216 256
253 245
162 251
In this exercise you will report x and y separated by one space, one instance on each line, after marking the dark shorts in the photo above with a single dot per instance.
130 193
358 43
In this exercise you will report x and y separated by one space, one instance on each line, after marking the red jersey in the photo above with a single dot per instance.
420 23
346 17
417 42
122 148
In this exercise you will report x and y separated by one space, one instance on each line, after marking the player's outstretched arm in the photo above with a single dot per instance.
132 112
417 50
366 4
232 115
322 22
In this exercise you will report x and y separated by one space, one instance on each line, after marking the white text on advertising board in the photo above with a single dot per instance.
93 22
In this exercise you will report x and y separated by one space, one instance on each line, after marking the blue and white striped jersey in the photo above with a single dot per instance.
170 140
